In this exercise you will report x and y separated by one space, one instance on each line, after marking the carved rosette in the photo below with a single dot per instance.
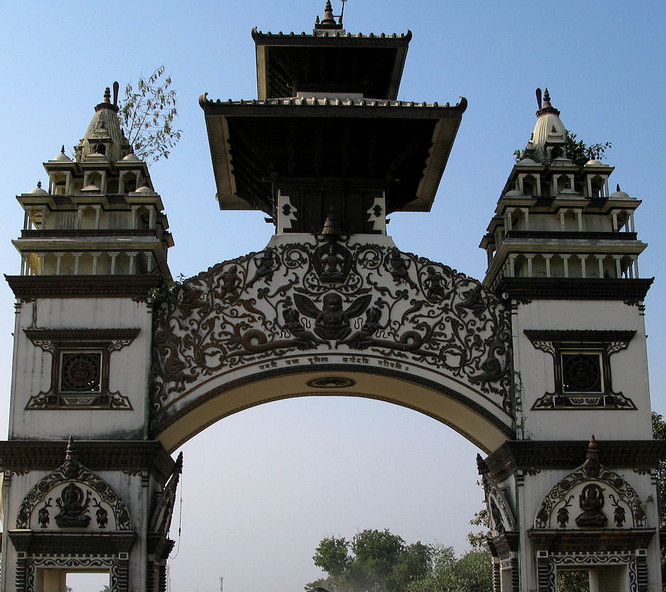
331 297
73 497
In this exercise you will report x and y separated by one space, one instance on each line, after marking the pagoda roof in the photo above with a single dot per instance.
396 146
330 60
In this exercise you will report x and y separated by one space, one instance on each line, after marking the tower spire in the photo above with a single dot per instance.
547 106
104 134
327 21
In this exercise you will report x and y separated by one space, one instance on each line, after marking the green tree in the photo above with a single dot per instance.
147 115
576 150
477 538
579 152
373 561
472 572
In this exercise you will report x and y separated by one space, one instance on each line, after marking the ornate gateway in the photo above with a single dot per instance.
548 349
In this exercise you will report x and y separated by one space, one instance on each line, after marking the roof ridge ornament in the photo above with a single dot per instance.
327 21
106 103
592 465
547 107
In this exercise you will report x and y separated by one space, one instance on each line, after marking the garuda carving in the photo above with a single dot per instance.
73 497
331 296
591 496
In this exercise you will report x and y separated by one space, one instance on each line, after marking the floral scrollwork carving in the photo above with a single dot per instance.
330 297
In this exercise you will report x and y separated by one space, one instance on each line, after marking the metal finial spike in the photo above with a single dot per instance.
328 19
342 12
62 149
618 187
107 95
70 444
332 228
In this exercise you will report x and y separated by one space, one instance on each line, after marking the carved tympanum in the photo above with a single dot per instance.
591 485
76 491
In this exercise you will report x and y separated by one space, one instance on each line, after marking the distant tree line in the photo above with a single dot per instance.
380 561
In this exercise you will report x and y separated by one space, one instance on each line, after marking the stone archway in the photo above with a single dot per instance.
345 317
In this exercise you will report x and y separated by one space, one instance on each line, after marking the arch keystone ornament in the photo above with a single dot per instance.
547 348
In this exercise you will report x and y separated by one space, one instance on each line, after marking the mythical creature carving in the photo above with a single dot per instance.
331 296
332 321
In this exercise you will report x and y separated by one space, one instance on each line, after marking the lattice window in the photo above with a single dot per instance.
581 371
80 372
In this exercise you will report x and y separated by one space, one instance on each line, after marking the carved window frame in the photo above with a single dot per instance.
63 342
601 343
549 563
28 567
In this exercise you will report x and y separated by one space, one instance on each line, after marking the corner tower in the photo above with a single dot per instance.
563 254
558 220
93 254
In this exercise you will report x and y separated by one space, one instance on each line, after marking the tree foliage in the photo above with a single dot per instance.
147 116
373 561
659 433
472 572
379 561
576 150
477 538
579 152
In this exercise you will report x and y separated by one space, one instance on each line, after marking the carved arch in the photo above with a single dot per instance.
591 485
322 306
69 480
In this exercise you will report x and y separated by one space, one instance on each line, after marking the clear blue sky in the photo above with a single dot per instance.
286 474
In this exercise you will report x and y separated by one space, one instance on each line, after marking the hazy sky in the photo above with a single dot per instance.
261 488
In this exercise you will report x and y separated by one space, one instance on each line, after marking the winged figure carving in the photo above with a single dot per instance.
332 321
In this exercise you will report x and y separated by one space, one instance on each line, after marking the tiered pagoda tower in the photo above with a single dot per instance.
327 136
